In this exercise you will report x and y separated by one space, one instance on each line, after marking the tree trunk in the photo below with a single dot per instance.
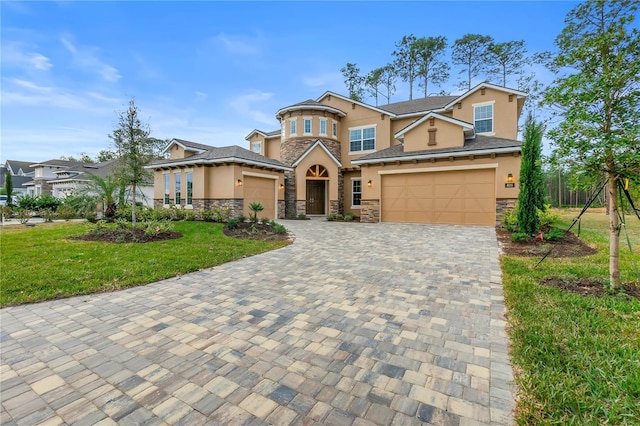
133 207
614 236
410 88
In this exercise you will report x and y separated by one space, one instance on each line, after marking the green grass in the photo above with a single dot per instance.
42 263
576 358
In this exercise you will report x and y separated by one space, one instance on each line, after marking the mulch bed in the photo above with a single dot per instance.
568 246
127 236
261 232
589 287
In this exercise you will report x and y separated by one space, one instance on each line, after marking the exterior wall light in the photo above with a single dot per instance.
239 182
369 184
510 178
281 186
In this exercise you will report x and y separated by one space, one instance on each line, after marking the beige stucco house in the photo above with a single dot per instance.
440 159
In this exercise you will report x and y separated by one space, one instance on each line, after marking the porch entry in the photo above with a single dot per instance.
317 178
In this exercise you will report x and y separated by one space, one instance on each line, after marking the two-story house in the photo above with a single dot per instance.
440 159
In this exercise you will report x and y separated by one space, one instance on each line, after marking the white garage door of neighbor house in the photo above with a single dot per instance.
463 197
261 190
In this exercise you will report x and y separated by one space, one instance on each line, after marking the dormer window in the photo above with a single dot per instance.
483 117
323 126
256 147
292 127
307 126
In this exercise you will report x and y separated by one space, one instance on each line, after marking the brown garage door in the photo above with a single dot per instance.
261 190
465 197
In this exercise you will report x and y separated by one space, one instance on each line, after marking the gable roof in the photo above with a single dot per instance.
225 154
311 148
344 98
267 135
187 145
418 105
16 166
518 93
310 104
467 127
481 144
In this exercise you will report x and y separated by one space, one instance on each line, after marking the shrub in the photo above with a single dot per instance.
91 217
122 223
510 219
190 216
339 216
47 202
547 217
222 214
48 215
279 229
6 211
162 214
23 216
241 218
28 202
265 220
302 216
157 227
554 234
66 212
81 204
233 223
99 227
349 217
519 237
331 217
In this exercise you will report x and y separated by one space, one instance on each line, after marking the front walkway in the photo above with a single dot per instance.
352 324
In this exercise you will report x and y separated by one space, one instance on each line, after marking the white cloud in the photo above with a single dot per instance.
246 105
19 92
201 95
240 45
86 57
20 55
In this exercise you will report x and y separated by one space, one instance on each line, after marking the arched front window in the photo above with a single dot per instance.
317 171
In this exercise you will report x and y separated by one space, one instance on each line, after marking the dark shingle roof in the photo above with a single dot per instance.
17 165
229 153
273 133
80 171
418 105
57 162
479 143
192 144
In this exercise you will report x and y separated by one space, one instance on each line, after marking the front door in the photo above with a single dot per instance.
316 196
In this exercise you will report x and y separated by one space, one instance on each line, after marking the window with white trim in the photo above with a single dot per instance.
292 127
167 197
362 139
483 118
189 188
256 147
177 193
356 193
335 129
282 131
323 126
307 126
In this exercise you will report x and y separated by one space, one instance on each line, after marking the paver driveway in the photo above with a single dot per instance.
352 324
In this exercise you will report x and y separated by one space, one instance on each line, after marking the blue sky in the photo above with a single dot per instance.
211 72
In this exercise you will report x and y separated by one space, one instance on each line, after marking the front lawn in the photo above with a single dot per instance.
576 358
41 263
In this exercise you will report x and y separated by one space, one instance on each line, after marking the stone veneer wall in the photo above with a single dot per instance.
370 211
334 207
503 204
281 209
290 151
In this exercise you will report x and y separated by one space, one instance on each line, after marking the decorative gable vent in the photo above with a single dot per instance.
432 137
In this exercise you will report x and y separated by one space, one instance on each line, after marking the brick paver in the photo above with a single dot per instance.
352 324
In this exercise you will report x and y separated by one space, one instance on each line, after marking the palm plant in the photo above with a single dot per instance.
255 208
104 188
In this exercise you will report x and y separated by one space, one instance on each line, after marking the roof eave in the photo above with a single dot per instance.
236 160
504 150
362 104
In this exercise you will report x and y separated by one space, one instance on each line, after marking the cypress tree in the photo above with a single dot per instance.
8 186
530 198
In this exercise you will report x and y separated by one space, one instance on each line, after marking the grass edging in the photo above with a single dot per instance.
42 263
576 359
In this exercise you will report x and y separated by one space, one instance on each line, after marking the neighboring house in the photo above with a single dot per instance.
21 173
197 176
440 159
61 178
